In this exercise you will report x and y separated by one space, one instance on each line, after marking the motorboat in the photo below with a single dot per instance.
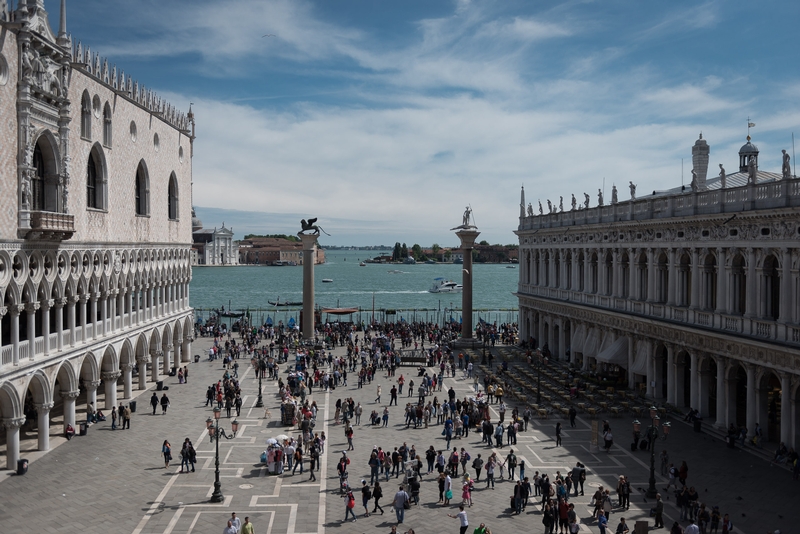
442 285
327 280
362 264
458 261
395 271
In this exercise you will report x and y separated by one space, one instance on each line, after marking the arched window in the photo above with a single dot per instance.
96 180
37 185
86 116
173 198
142 190
107 126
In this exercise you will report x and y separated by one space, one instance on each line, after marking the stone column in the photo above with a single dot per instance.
631 354
750 305
309 254
787 289
60 323
143 360
587 271
154 356
722 287
91 392
695 295
467 237
120 308
71 319
670 373
540 279
177 354
83 300
186 352
671 282
722 394
30 309
616 289
751 398
43 411
574 283
95 325
12 426
46 305
110 380
130 314
694 382
651 376
127 380
15 310
787 421
167 361
633 275
651 275
69 407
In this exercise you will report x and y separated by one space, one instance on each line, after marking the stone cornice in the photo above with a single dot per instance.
743 349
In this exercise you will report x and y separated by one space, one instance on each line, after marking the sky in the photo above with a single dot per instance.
385 119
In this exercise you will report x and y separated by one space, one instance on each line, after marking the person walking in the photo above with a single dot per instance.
154 402
247 526
298 460
349 506
401 500
166 450
378 398
573 413
659 515
366 495
113 418
377 495
477 465
235 522
462 517
312 462
558 434
164 404
126 418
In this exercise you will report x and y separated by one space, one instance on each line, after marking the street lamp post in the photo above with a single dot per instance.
212 425
652 436
260 401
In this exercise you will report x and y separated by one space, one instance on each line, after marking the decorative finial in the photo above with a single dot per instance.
701 135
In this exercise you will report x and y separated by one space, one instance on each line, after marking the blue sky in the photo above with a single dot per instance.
384 119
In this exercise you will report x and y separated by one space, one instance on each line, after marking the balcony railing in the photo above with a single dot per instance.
51 226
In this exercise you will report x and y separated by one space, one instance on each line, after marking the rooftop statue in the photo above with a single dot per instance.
786 169
541 211
549 206
694 181
586 201
530 209
722 175
574 202
560 203
752 169
599 197
465 220
613 194
633 190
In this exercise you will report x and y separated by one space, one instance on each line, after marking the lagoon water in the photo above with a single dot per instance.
250 287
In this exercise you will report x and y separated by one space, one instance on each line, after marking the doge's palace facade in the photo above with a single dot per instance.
691 295
95 229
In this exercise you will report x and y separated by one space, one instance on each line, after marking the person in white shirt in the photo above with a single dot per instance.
462 517
230 529
236 522
691 528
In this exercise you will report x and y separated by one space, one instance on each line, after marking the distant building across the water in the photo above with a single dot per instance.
213 247
274 251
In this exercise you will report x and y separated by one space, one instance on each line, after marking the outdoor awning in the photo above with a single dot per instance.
591 343
640 359
578 339
340 311
616 353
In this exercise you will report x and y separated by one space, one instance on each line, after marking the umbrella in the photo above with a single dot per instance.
282 437
272 441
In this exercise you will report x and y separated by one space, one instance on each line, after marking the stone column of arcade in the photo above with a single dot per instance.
309 254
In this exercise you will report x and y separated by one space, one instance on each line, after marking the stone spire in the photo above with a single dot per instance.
63 38
700 152
522 203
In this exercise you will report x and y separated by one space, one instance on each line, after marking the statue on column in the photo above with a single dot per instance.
613 194
786 169
752 169
694 181
633 190
560 203
549 206
309 227
599 197
574 202
467 214
530 209
722 175
586 201
541 211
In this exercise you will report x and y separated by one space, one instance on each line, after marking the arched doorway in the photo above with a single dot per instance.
737 396
768 401
683 380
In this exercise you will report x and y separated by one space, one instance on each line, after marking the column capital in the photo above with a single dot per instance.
3 311
73 299
70 394
13 423
84 298
47 304
168 347
60 302
92 384
16 309
156 353
143 358
95 296
127 367
44 407
32 307
111 376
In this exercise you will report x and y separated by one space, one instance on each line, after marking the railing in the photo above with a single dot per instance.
796 335
38 345
763 330
54 341
6 353
89 330
732 324
51 225
657 310
23 350
77 335
679 315
703 319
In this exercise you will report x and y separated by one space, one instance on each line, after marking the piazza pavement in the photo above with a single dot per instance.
115 481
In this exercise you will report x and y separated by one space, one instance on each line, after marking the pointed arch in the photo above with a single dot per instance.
142 184
86 116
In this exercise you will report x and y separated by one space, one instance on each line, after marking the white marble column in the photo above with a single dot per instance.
84 321
672 271
722 279
60 323
127 380
154 357
787 289
15 310
110 381
616 261
12 426
142 361
633 275
30 309
91 392
46 305
43 411
787 421
651 275
71 326
574 283
695 295
69 407
750 288
751 398
671 389
722 394
186 353
167 358
694 382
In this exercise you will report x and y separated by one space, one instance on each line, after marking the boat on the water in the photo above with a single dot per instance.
430 262
362 264
510 267
442 285
327 280
395 271
287 303
458 261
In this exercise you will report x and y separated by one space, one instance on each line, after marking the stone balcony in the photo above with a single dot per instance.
50 226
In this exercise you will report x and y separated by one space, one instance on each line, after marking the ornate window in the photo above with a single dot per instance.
86 116
96 180
107 129
142 190
38 181
173 198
